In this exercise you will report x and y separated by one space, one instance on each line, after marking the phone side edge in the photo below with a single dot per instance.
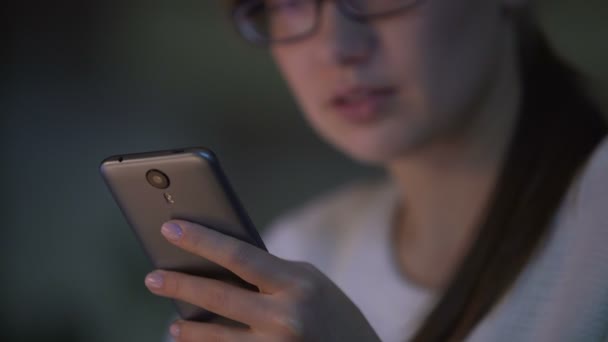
242 214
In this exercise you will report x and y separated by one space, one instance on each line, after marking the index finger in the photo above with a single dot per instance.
249 262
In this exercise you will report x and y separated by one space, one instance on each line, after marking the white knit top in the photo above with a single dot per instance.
562 294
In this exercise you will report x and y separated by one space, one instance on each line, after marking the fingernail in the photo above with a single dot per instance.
154 280
171 231
174 330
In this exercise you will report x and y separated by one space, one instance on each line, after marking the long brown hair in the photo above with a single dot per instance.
557 129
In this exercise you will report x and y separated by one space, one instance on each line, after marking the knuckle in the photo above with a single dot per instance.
305 292
289 323
306 284
305 288
308 268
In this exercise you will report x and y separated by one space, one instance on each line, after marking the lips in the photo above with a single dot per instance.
360 104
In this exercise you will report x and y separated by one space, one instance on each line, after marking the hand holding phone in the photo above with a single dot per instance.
211 261
153 187
296 301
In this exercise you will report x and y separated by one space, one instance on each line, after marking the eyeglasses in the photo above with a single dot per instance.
267 22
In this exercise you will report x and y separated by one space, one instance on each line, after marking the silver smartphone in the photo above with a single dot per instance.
153 187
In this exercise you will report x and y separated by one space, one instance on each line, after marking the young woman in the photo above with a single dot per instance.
492 224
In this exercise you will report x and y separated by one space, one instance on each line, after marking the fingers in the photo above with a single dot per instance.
266 271
249 307
186 331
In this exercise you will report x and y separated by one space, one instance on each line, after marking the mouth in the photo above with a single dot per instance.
362 105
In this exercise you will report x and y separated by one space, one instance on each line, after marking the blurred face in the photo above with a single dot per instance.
378 89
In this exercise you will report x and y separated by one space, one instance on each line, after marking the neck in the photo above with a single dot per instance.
445 185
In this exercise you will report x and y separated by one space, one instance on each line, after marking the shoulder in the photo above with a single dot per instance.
583 217
580 262
584 211
562 295
310 230
588 212
591 198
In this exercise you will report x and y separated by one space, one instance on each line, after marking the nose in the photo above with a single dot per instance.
345 41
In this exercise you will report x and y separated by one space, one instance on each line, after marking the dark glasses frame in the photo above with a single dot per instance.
240 18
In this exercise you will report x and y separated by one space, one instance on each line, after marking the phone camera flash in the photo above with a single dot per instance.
169 198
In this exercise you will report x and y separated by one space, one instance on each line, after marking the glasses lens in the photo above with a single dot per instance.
277 20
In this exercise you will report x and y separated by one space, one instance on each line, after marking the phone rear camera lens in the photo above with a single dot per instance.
157 179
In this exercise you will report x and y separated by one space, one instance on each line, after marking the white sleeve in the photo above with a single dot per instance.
581 305
294 238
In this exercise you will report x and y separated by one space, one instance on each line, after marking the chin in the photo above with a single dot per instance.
371 152
369 159
382 146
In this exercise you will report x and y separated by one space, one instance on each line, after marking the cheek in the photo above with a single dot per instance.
460 51
444 56
311 86
298 70
403 63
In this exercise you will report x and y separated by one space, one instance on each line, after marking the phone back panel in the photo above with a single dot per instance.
200 193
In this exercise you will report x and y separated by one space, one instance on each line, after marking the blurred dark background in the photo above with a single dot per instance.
82 80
